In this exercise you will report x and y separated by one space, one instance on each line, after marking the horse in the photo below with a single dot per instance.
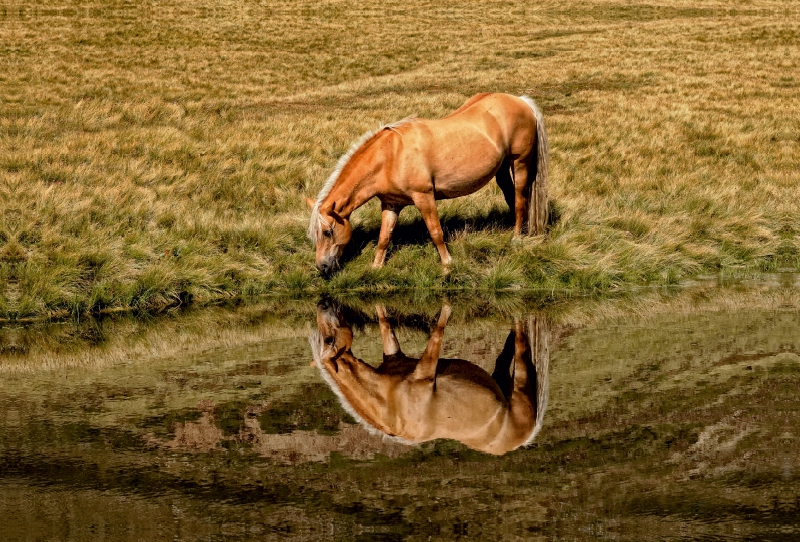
414 400
418 161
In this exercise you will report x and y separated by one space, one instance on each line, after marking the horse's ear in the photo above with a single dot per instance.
330 210
310 203
336 216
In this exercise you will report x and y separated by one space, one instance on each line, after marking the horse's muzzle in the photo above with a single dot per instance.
327 267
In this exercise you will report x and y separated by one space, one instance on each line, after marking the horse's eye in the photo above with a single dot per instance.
327 233
329 340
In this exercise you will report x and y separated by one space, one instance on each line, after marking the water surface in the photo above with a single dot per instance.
666 415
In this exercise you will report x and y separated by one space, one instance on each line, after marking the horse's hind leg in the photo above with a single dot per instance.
502 367
506 182
426 203
522 404
522 193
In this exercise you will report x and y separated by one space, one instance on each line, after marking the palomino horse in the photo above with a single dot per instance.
418 161
416 400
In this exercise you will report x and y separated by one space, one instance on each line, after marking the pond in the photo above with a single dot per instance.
667 414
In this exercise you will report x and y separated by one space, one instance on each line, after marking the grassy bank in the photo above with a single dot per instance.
154 155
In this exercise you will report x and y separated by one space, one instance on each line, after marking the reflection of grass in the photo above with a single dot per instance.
164 157
318 411
163 424
118 339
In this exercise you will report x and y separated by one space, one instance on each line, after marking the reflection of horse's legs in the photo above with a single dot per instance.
388 221
522 407
426 366
390 344
502 367
522 193
426 203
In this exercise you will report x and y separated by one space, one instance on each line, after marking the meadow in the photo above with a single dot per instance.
160 154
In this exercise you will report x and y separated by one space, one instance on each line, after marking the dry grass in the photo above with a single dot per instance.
154 155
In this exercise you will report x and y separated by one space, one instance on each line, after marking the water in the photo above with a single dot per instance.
666 415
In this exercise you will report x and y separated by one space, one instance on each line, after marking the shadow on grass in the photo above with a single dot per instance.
415 233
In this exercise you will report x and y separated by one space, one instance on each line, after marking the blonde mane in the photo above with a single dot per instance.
317 224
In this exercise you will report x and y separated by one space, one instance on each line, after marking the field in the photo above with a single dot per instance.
155 155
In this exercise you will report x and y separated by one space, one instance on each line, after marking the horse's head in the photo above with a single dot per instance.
335 334
356 383
331 232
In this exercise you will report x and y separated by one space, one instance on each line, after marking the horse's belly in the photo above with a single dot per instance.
456 190
463 160
463 181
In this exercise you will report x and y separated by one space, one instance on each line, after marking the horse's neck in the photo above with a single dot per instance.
350 196
357 184
366 394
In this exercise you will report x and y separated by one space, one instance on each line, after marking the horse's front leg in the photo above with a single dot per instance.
391 346
426 366
388 222
426 204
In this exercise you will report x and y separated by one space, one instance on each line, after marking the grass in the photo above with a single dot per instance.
151 157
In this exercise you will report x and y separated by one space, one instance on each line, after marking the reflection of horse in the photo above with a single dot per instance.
416 400
418 161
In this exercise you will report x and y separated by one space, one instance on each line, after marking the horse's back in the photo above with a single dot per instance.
469 103
507 110
507 119
465 403
462 152
486 420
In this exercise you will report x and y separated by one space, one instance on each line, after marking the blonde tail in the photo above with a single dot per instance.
539 337
538 209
